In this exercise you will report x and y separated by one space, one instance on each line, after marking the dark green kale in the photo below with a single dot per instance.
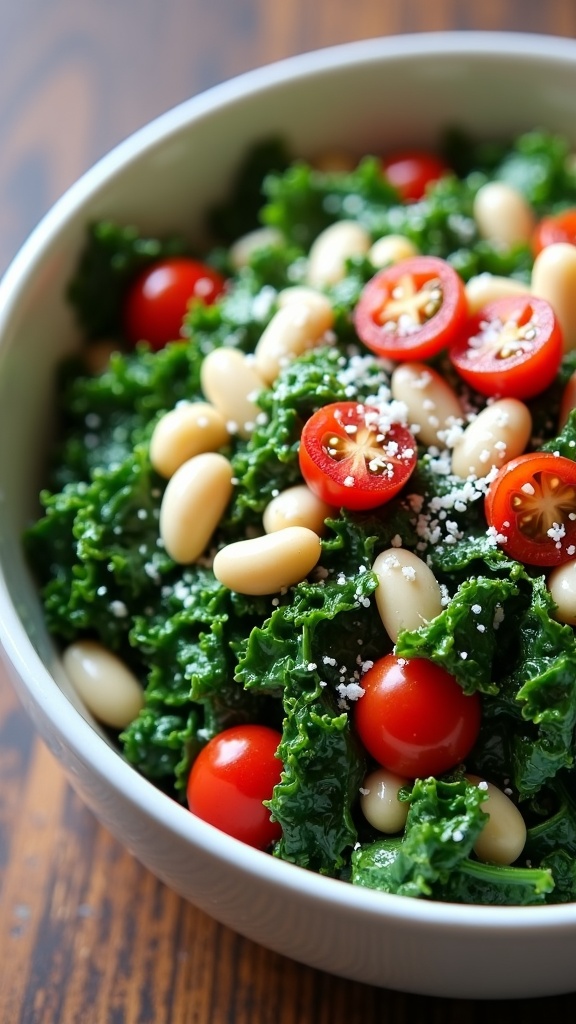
95 552
238 214
434 857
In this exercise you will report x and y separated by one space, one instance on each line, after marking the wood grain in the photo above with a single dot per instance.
87 935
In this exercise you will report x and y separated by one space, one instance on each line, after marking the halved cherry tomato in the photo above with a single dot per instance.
158 299
531 505
412 309
414 718
230 778
411 172
351 460
557 227
512 347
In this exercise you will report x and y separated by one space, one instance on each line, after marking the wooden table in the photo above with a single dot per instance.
87 936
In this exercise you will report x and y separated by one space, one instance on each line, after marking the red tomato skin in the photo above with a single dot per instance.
158 299
414 718
502 518
325 477
435 334
411 171
520 376
230 778
557 227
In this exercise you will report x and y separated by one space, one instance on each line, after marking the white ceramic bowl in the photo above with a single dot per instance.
377 93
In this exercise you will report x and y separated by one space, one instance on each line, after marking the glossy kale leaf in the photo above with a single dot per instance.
434 858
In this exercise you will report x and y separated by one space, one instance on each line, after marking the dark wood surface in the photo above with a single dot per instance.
87 936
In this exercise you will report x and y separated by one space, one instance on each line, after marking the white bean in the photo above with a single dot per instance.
432 404
391 249
108 688
503 837
568 402
379 801
243 248
231 382
192 505
562 586
187 430
499 433
296 506
502 214
268 564
408 594
554 279
299 324
330 250
485 288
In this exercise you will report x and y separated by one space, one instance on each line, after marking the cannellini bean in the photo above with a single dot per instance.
379 801
299 324
268 564
502 214
296 506
562 586
499 433
231 382
391 249
568 402
485 288
408 593
108 688
193 503
554 279
431 402
503 837
188 430
242 249
330 250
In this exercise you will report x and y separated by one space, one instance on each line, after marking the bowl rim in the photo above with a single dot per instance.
76 732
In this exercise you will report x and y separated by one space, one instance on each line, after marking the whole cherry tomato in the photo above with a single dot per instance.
412 309
511 348
411 172
351 460
414 718
230 778
158 299
531 507
557 227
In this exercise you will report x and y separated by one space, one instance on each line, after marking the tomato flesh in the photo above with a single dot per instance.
512 347
412 309
230 778
414 718
158 299
558 227
412 171
531 507
351 460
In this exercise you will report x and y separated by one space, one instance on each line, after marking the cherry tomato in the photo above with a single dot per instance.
412 309
414 718
512 348
230 778
412 171
558 227
350 459
531 505
157 300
